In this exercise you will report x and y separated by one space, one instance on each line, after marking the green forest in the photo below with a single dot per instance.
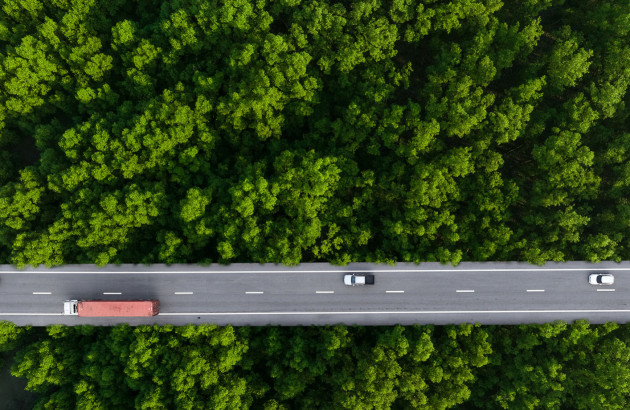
551 366
289 131
194 131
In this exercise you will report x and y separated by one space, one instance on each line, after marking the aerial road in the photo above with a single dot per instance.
315 293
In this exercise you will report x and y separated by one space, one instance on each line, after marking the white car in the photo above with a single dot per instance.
361 279
601 279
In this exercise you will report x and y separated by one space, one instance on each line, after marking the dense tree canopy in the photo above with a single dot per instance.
552 366
290 131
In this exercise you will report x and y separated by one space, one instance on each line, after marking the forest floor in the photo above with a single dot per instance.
26 152
12 388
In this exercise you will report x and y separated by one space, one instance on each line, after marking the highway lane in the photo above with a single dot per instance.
255 294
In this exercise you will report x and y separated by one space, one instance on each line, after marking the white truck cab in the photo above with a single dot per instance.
71 307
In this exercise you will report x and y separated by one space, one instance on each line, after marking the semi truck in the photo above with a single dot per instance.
361 279
109 308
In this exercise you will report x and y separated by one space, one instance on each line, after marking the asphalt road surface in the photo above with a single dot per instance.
314 293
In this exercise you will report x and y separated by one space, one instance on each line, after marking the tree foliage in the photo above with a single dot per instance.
198 131
555 365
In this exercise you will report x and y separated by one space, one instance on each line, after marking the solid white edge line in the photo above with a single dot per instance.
465 291
605 290
101 272
182 293
394 291
419 312
324 291
42 293
535 290
112 293
254 293
31 314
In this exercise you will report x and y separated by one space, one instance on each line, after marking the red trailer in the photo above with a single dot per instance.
107 308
